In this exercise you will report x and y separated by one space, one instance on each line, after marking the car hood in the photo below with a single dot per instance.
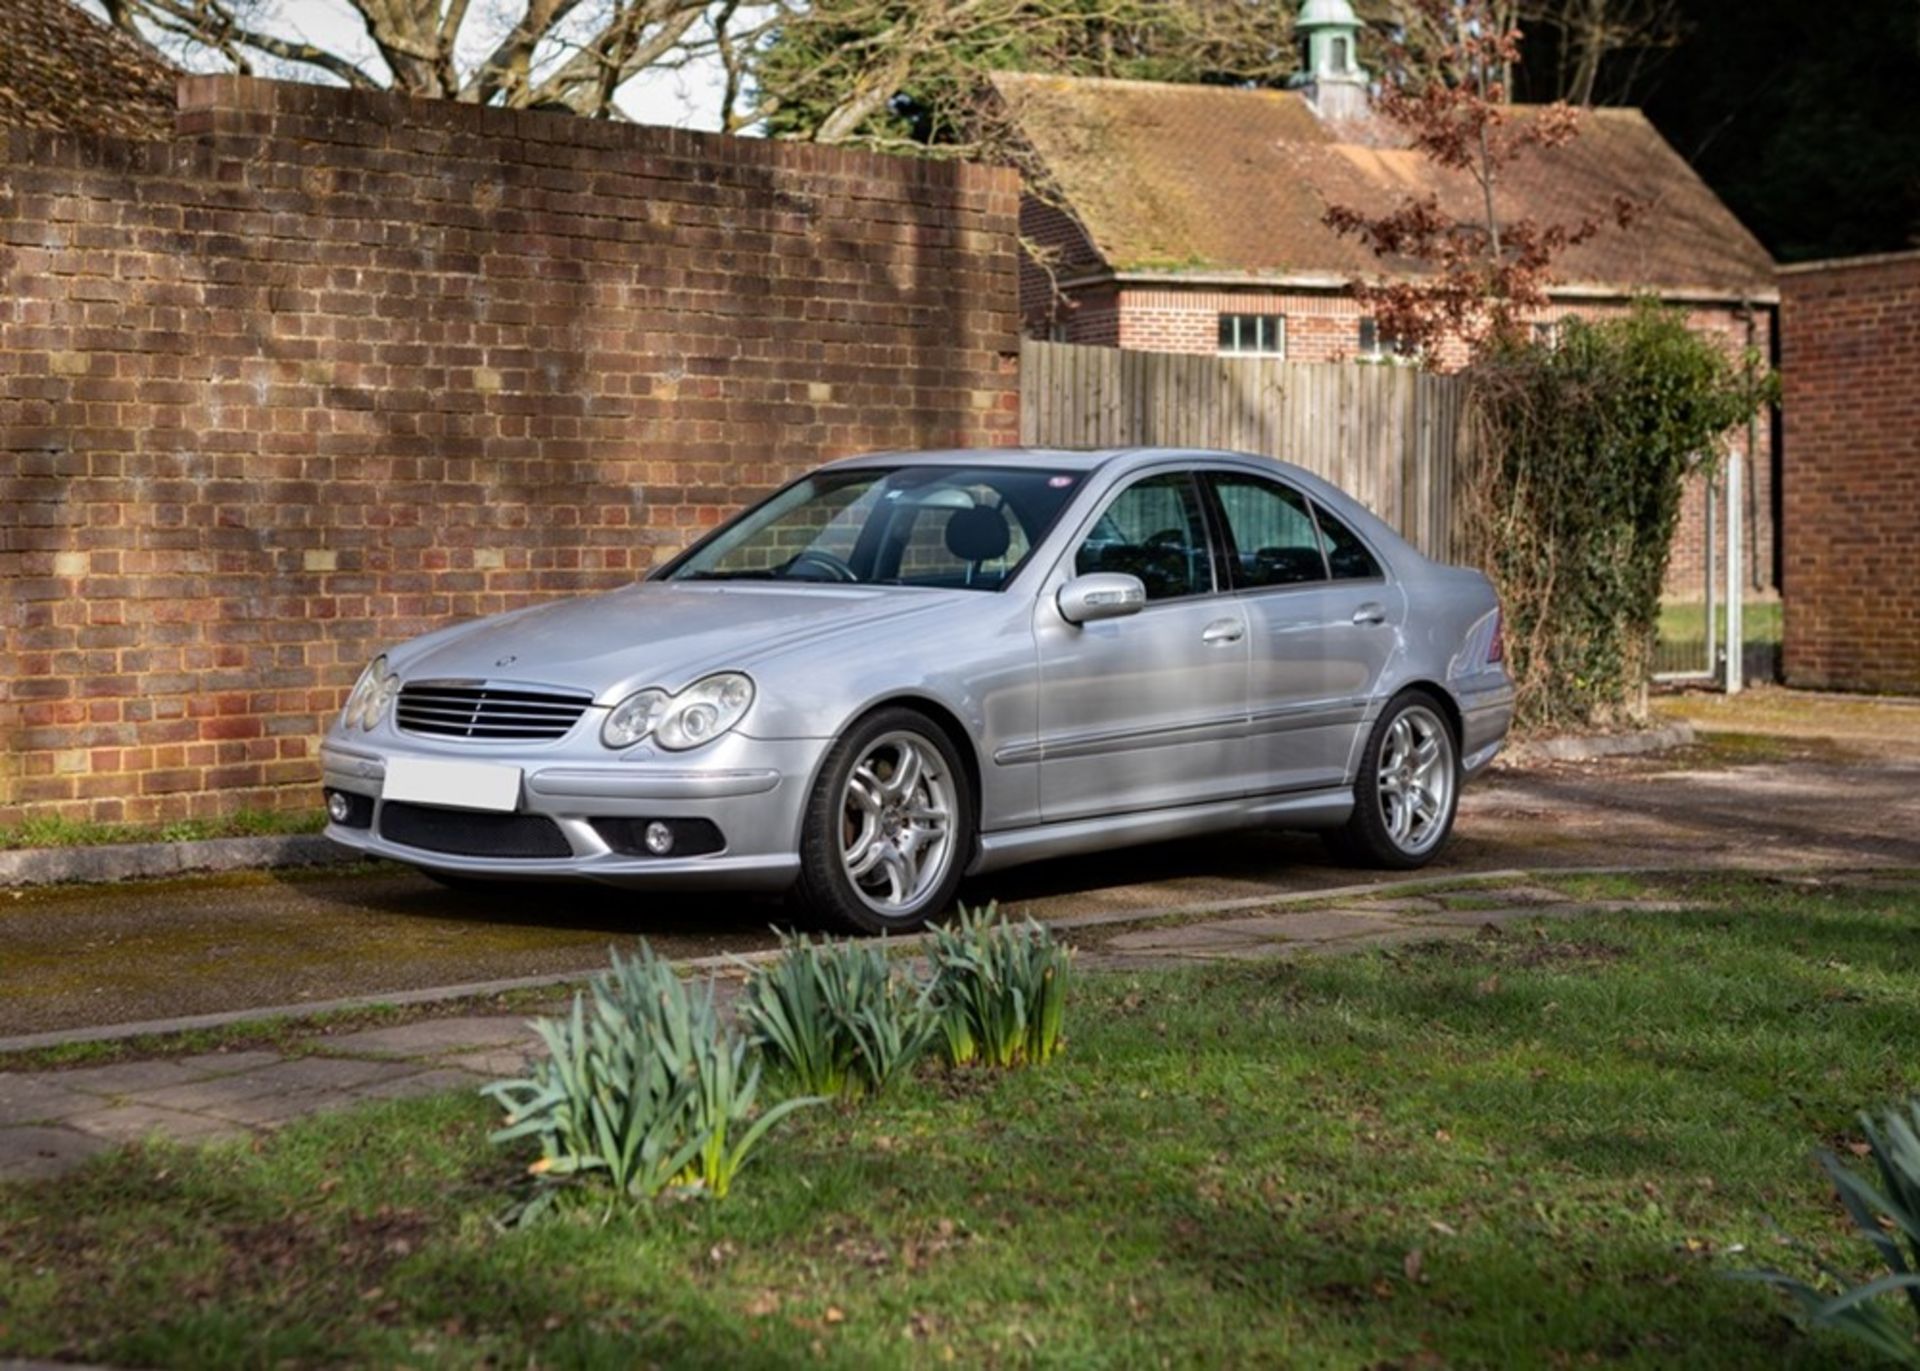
656 633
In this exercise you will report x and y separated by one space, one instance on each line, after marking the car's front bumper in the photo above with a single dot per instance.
753 790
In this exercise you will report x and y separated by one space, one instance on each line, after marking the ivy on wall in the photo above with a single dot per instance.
1581 450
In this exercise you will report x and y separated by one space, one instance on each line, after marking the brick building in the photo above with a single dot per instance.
1186 218
310 371
1850 349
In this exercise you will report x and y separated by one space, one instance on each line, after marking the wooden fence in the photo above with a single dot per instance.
1388 435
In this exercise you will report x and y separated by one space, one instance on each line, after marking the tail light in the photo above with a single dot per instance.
1497 645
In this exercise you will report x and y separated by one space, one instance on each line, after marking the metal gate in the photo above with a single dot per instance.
1721 638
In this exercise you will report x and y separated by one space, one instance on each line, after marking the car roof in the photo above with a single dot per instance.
1081 459
1051 459
1056 458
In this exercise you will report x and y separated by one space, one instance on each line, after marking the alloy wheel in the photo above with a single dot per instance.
1416 779
896 823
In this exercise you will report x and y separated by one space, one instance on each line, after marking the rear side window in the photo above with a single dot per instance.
1274 540
1347 557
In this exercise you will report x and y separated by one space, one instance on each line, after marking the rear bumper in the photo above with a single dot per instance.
753 790
1485 716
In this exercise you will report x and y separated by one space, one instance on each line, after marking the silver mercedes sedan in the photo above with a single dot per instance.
907 668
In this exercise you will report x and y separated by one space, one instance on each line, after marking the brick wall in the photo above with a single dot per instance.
1324 326
328 369
1850 368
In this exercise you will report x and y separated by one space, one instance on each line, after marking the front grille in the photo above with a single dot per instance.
471 833
461 709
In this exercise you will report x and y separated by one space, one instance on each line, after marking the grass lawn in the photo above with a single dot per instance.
1686 621
1541 1148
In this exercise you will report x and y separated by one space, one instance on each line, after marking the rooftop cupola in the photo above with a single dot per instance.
1330 73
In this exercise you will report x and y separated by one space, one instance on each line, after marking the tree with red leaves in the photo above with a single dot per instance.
1477 279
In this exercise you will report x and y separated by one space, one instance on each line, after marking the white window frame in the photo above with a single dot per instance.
1240 318
1380 352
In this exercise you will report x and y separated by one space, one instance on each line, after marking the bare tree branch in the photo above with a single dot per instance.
212 23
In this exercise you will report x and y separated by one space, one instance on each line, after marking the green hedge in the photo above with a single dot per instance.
1572 496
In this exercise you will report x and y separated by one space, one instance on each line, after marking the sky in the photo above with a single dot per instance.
689 97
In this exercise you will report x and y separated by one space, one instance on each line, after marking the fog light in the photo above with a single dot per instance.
337 807
659 839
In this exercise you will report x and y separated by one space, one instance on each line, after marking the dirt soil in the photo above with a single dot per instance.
1778 780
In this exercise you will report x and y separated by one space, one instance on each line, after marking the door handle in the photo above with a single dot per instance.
1223 631
1372 612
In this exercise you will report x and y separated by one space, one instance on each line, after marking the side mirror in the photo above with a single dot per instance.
1101 595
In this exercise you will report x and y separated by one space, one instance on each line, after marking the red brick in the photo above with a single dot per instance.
1850 371
280 378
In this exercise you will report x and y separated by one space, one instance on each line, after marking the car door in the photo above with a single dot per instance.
1322 624
1144 711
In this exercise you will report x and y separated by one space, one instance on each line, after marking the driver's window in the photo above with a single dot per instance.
1154 530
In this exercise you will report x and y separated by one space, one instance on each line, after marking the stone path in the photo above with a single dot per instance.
51 1121
1352 927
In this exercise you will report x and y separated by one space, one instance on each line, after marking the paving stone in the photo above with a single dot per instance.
332 1073
1182 939
272 1111
293 1076
229 1063
134 1122
424 1083
38 1097
128 1078
1312 925
31 1154
214 1095
432 1037
499 1062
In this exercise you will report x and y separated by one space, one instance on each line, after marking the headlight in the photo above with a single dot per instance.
703 711
363 690
698 714
633 718
381 700
372 697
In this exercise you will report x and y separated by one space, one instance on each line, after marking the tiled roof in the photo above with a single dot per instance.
1212 181
60 68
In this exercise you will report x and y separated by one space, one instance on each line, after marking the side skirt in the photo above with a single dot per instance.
1313 809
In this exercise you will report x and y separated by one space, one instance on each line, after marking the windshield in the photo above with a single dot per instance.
961 527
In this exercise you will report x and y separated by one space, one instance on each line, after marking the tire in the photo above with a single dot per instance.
879 853
1391 827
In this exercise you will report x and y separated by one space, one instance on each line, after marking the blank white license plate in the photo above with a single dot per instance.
457 785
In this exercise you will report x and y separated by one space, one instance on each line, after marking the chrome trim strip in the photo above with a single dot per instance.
1308 714
1122 740
1280 719
567 693
633 784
